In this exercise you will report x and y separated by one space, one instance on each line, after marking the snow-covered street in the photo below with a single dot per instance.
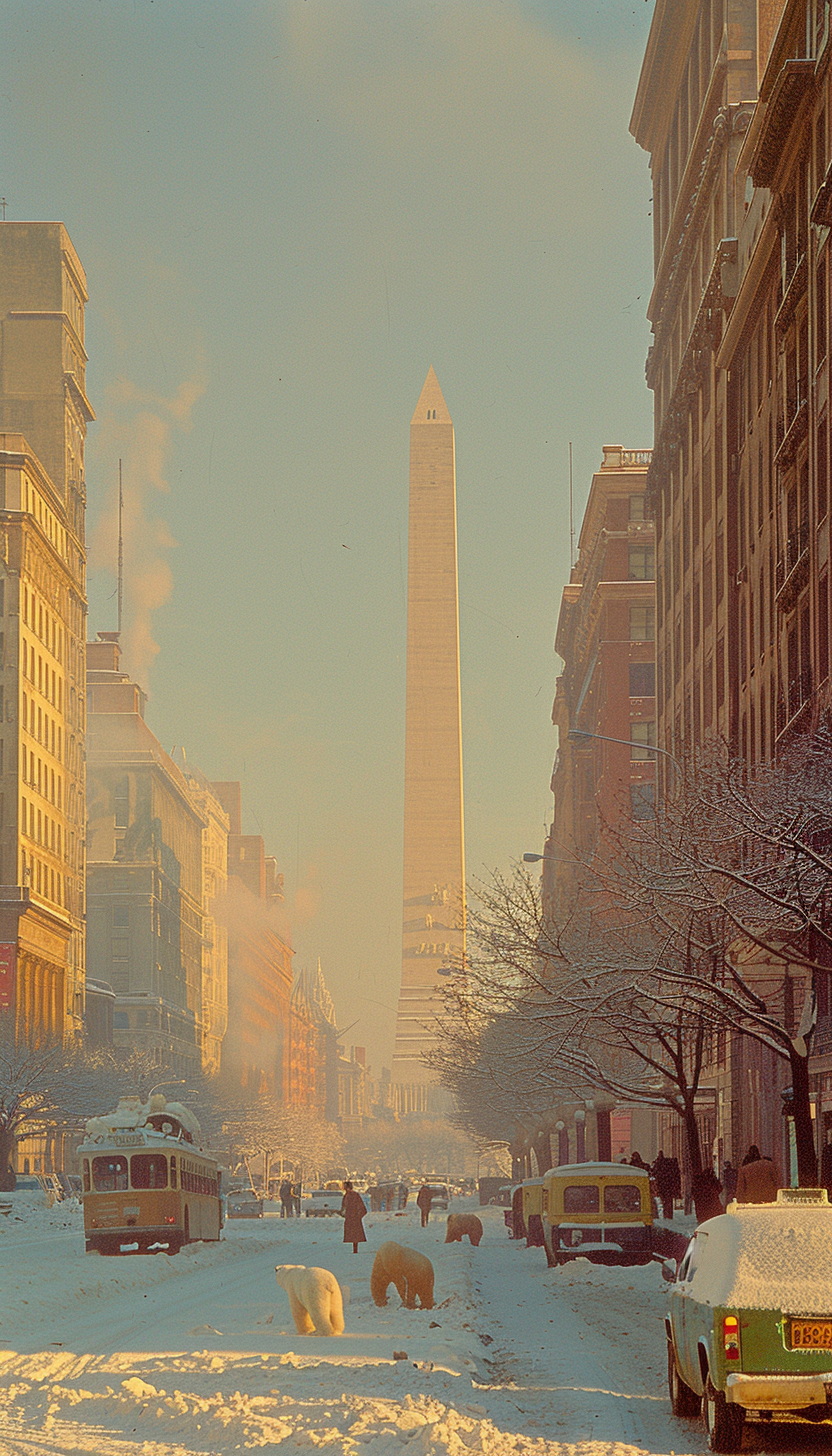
198 1353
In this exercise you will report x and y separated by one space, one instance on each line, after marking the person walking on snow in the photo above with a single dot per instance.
353 1209
424 1200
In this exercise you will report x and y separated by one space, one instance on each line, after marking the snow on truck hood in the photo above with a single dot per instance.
761 1256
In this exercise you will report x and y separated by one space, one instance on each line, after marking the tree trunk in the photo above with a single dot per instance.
807 1163
603 1119
692 1140
8 1144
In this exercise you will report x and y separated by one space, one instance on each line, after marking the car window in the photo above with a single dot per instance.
622 1198
684 1267
581 1198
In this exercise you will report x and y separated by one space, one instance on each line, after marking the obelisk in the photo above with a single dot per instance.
434 856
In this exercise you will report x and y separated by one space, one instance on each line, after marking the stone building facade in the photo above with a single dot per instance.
44 413
606 637
144 872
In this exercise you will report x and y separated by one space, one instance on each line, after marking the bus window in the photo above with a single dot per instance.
581 1199
173 1170
86 1171
109 1174
149 1170
622 1198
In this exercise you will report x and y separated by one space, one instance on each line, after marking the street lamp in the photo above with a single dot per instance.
555 858
575 734
174 1082
580 1135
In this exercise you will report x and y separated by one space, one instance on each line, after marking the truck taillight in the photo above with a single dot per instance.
731 1337
170 1218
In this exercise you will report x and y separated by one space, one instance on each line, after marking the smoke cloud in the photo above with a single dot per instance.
140 429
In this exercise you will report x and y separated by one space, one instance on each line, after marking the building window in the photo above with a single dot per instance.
642 623
636 507
642 679
642 561
642 737
122 803
121 915
642 801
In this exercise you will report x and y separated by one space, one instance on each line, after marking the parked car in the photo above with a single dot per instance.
749 1327
439 1195
245 1204
323 1202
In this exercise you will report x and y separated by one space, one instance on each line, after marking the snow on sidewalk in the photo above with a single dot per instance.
172 1356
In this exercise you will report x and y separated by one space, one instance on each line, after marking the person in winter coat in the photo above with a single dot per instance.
353 1209
285 1193
668 1182
705 1188
424 1199
729 1181
758 1179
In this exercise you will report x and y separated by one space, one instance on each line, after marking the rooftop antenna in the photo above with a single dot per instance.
120 548
571 514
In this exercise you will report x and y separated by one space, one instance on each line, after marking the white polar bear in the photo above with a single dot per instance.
314 1299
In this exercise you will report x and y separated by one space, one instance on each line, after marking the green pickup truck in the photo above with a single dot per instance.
749 1327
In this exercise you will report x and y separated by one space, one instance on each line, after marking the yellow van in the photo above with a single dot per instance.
598 1211
535 1203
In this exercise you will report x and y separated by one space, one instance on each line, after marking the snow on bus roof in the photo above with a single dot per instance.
766 1256
598 1170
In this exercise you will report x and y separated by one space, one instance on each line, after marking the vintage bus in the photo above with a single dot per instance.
146 1186
598 1211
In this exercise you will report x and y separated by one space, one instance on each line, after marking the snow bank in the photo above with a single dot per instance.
611 1276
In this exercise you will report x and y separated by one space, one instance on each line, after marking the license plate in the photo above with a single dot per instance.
810 1334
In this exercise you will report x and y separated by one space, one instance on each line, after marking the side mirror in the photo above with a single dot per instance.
669 1271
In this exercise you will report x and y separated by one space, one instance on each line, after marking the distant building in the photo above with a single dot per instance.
214 929
313 1058
606 637
256 1047
144 871
44 413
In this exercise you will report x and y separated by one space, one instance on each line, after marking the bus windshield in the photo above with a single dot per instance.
109 1173
149 1170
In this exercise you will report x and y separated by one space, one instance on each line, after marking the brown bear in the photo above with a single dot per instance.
410 1271
463 1223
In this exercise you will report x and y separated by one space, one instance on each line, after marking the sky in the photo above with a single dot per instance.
288 210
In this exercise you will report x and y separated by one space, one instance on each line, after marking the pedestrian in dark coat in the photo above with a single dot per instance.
758 1179
729 1181
353 1208
424 1199
665 1179
706 1188
285 1192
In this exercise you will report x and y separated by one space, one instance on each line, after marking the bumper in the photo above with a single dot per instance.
779 1392
107 1238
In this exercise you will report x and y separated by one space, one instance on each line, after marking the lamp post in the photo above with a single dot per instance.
580 1135
563 1143
554 858
576 734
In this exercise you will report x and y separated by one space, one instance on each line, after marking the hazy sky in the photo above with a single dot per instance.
287 212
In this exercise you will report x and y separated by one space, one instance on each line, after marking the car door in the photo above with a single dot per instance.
697 1317
680 1321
